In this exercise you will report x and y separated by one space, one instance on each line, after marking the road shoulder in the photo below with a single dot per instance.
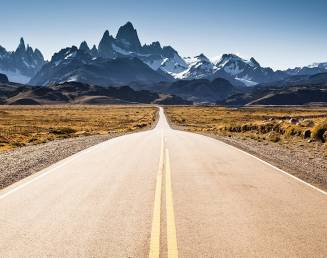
22 162
300 162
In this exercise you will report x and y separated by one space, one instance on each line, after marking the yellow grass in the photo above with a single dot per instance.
262 124
22 125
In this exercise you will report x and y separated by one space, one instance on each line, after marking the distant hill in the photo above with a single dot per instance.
3 78
296 90
294 96
201 90
79 93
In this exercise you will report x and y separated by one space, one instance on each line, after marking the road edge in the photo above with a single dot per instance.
281 170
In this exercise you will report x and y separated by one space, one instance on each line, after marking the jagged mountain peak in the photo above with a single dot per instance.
84 46
202 57
168 51
94 51
106 34
311 69
63 54
105 46
23 63
127 36
199 67
153 48
22 42
2 50
245 71
229 55
153 45
106 38
254 62
38 53
21 47
128 26
29 50
228 59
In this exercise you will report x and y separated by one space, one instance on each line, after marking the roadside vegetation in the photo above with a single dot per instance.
30 125
279 125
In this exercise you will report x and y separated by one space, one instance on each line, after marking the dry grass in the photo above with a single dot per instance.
23 125
282 125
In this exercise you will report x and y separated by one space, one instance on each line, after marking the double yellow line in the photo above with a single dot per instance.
164 164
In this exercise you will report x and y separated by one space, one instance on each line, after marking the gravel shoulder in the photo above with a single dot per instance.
301 160
24 161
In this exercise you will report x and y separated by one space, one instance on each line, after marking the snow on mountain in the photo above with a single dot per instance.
312 69
318 65
15 76
127 44
246 82
121 50
234 65
198 67
249 72
163 60
173 65
22 64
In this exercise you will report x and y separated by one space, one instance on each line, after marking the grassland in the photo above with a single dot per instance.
283 125
30 125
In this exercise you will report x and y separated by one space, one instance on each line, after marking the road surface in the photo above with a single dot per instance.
162 193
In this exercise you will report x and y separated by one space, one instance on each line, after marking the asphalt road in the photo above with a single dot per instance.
162 193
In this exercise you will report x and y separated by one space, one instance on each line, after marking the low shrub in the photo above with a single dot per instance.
306 134
3 139
62 130
307 123
273 137
318 131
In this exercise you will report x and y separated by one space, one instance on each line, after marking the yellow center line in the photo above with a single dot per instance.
155 231
171 228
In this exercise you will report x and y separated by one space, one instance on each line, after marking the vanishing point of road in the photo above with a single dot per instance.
162 193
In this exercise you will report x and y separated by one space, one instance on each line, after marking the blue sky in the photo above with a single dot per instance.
277 33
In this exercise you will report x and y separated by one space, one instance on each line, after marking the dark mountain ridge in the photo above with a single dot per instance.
80 93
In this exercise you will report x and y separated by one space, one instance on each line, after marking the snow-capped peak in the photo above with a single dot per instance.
196 59
198 67
232 58
23 63
318 65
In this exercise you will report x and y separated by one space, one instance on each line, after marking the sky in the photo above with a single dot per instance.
277 33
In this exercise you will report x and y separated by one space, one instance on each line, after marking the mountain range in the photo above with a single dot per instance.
297 90
153 73
122 59
22 64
